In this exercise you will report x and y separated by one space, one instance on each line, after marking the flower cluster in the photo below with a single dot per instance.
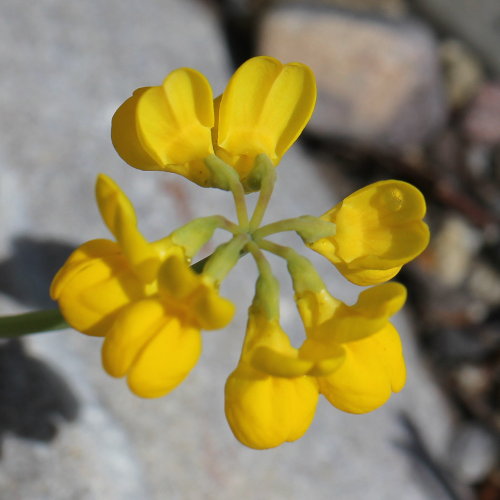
150 304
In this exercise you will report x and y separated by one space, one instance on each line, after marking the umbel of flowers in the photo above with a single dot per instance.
150 304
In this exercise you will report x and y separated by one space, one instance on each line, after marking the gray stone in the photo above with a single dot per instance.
473 453
67 66
379 81
476 23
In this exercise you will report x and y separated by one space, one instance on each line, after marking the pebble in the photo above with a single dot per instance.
473 453
379 81
454 247
463 72
482 120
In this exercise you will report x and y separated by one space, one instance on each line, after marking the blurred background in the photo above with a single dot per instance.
407 90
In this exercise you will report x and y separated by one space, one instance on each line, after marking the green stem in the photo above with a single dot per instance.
267 173
267 292
303 273
32 322
224 258
226 177
195 234
309 228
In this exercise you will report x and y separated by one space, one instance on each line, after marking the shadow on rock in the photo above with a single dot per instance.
27 274
431 474
33 397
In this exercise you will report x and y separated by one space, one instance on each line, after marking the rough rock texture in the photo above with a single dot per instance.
379 80
67 66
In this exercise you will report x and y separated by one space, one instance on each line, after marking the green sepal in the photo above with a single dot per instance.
311 228
225 258
223 175
267 296
304 275
261 170
308 227
193 235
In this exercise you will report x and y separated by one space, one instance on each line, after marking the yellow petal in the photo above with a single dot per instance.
264 108
176 279
119 215
326 357
113 203
211 311
265 411
367 277
125 138
262 331
316 307
370 313
193 294
174 123
152 346
379 229
373 369
94 284
78 260
274 363
166 361
132 330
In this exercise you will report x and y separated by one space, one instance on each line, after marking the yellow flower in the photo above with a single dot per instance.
94 284
175 126
269 398
373 365
142 297
379 229
373 369
156 341
102 276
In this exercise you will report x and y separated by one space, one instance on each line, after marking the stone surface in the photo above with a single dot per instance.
477 23
482 121
67 66
378 81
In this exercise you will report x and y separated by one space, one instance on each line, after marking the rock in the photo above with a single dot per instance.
473 453
379 82
481 123
454 248
476 23
484 283
462 70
